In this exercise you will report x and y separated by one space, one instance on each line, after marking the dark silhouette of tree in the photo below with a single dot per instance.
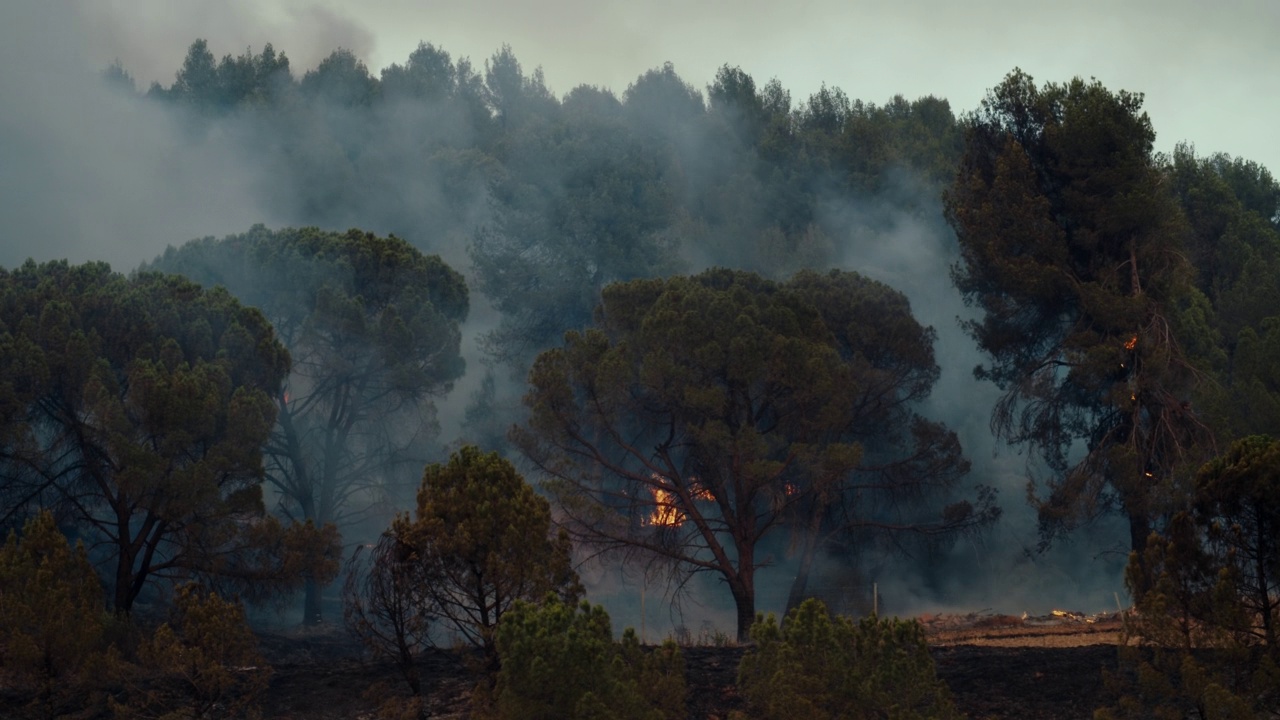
1072 246
385 604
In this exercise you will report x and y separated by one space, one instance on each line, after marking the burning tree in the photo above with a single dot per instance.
704 414
372 327
1071 244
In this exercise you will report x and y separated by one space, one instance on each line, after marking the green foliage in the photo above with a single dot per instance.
480 541
1232 206
204 662
485 540
214 88
1203 638
817 667
51 618
372 327
560 661
1072 246
703 413
137 409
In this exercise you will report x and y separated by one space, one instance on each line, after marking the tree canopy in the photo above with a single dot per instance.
480 541
703 414
137 409
1233 208
372 326
1072 247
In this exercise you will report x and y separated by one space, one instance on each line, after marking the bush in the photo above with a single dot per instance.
51 618
819 667
561 662
1205 638
204 662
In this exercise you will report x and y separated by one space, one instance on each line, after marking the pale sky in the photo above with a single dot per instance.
1208 70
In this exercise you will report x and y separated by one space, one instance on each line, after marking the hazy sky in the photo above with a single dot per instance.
1208 69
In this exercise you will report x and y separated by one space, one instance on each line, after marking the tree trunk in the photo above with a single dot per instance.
744 596
1139 534
311 614
809 551
1139 531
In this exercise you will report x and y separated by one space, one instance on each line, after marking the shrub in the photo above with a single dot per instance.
1205 638
561 662
204 662
819 667
51 617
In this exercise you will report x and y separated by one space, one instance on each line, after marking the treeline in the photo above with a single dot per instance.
694 420
568 193
543 201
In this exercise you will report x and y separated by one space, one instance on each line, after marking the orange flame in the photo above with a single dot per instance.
665 512
1133 343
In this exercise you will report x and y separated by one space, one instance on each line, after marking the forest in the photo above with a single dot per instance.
502 353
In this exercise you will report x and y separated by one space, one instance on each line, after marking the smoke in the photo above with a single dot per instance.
150 37
88 173
913 251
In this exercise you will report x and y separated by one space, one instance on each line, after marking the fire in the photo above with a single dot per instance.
665 512
698 492
1133 343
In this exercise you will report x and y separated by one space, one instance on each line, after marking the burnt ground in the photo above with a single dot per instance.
322 677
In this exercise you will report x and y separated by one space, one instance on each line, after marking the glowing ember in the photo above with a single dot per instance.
698 492
1133 343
